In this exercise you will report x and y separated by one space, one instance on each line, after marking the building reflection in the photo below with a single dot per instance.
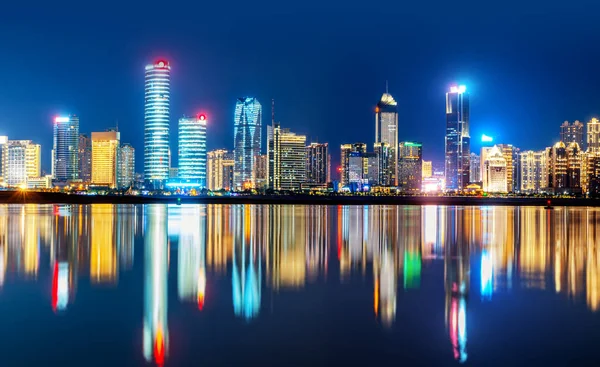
191 258
103 259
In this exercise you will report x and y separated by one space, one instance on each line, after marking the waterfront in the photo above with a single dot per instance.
295 285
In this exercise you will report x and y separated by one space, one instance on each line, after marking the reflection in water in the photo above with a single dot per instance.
291 248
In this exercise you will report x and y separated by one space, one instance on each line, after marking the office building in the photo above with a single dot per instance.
386 131
427 169
65 148
534 172
475 168
105 154
373 164
458 140
39 182
261 171
346 149
317 164
494 173
410 166
557 164
572 133
593 136
156 124
21 160
287 159
126 166
220 170
85 158
574 156
247 140
382 151
508 152
192 150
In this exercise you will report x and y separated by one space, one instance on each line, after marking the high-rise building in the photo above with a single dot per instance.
458 140
346 149
220 170
427 169
386 131
593 136
261 171
508 153
156 124
410 166
3 141
85 158
572 133
494 173
247 140
287 159
557 167
356 169
105 153
533 171
574 153
126 166
20 161
475 168
65 150
192 150
317 163
382 151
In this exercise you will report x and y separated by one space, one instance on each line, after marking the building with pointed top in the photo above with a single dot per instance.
386 132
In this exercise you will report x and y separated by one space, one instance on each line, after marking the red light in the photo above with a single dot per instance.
161 63
159 348
200 301
55 287
202 117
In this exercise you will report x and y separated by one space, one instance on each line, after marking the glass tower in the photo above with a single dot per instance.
386 131
156 124
192 150
65 151
247 140
126 164
458 140
105 153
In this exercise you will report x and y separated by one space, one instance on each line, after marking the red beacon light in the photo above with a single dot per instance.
202 117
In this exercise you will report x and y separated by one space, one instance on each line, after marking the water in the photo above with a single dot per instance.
219 285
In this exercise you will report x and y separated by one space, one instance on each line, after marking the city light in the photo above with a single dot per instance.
486 139
61 119
487 272
458 89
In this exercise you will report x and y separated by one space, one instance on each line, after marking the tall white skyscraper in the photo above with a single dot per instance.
192 150
386 131
156 124
247 141
65 150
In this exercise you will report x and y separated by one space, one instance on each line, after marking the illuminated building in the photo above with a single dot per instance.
3 141
126 166
458 140
508 153
533 171
372 171
557 167
382 151
220 170
346 149
410 165
427 169
317 163
287 159
261 171
495 173
386 131
21 160
105 154
192 150
156 257
65 149
574 167
85 158
173 172
39 182
247 140
356 170
156 124
593 136
475 168
572 133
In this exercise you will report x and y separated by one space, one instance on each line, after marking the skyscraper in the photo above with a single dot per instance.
475 168
557 167
126 164
533 171
261 171
382 151
572 133
156 124
317 163
85 158
410 166
508 153
247 140
287 159
20 161
192 150
105 153
346 149
494 173
593 136
386 131
65 157
458 140
220 170
427 169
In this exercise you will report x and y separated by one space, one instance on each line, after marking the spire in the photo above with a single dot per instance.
386 87
273 111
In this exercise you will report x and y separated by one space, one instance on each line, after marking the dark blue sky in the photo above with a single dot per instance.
529 65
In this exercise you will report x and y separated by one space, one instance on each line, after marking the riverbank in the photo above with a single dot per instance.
28 197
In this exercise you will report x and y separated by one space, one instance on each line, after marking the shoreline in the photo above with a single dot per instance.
30 197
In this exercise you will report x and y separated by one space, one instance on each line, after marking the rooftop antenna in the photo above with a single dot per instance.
117 125
273 111
386 87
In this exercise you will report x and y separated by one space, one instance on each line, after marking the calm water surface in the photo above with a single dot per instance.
248 285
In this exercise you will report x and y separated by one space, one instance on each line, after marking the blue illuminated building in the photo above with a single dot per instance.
247 141
65 150
192 151
458 140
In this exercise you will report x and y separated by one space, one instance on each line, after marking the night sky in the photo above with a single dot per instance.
528 65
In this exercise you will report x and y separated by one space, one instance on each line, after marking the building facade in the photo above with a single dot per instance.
534 171
317 164
192 150
220 170
287 159
475 168
21 160
383 153
126 166
247 140
508 152
65 148
261 171
346 149
85 158
593 136
572 133
386 131
105 154
410 166
495 173
458 140
156 124
427 169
